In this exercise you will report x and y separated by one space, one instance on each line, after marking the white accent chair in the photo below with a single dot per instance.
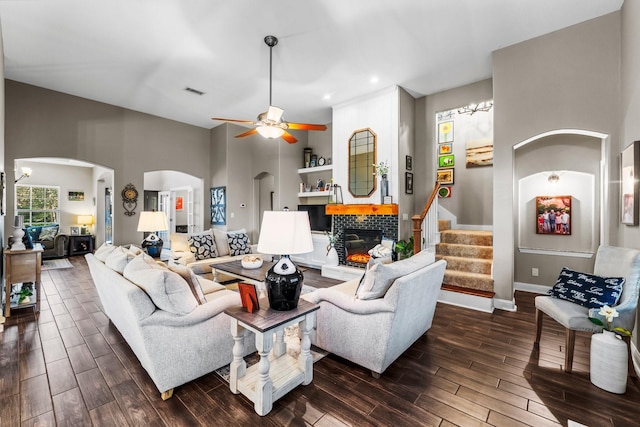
610 261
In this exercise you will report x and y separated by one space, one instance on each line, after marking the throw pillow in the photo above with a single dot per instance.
381 276
192 280
167 290
118 259
586 289
103 251
222 243
202 246
48 233
239 244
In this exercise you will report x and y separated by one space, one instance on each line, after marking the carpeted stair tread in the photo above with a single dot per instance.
463 279
467 237
444 224
470 265
459 250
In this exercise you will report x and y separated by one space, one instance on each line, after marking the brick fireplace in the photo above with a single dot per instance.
377 218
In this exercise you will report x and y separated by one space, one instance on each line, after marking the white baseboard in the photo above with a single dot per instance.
530 287
505 304
473 227
467 301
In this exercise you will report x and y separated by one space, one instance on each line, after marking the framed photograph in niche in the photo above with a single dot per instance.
629 194
219 205
408 182
553 215
444 176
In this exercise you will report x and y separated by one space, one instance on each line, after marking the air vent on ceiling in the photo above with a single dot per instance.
196 91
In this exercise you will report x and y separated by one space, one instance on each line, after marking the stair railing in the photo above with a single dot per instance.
425 225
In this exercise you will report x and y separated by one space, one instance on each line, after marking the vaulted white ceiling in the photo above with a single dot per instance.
142 54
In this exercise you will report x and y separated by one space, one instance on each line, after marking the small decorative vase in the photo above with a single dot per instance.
332 257
384 188
608 364
18 244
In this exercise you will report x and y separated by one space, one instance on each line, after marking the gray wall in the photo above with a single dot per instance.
564 80
44 123
2 157
406 147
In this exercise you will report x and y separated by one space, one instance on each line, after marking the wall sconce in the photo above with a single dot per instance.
26 173
554 178
471 109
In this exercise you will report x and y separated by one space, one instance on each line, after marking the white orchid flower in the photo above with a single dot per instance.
608 312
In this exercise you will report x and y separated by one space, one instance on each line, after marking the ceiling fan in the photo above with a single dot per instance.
270 123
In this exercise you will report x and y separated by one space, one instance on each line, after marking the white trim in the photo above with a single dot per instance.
505 304
465 300
555 253
560 132
530 287
473 227
447 215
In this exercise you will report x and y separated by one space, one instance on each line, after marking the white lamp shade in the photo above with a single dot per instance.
285 233
152 222
85 219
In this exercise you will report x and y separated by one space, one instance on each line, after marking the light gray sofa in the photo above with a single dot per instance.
173 348
375 332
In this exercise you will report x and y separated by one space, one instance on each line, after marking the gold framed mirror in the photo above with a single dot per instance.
362 157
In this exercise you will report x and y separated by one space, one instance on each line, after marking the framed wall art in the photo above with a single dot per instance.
76 196
219 205
75 231
447 161
445 132
408 182
445 149
179 203
408 163
553 215
629 197
444 176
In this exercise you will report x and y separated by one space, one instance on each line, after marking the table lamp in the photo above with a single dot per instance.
284 233
152 222
84 221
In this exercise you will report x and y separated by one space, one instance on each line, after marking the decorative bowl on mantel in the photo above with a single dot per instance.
251 261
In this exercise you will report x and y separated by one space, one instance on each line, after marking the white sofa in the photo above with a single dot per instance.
372 326
182 253
175 344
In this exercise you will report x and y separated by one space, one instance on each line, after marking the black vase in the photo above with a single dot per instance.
284 284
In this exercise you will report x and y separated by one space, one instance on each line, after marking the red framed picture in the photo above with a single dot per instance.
248 297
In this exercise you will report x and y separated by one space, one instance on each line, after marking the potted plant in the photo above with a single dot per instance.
26 290
405 248
332 254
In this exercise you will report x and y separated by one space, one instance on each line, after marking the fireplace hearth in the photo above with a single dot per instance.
357 243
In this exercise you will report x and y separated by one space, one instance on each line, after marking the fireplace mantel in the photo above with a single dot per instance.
364 209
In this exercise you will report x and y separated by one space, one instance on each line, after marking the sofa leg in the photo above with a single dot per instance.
166 394
539 315
569 344
375 375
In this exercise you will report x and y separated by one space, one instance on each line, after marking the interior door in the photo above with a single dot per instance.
164 205
108 216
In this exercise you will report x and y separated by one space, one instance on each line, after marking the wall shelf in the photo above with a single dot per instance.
315 169
315 194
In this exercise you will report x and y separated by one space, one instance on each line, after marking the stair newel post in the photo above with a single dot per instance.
417 233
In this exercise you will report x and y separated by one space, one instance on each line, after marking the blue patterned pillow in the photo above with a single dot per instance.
586 289
238 244
202 246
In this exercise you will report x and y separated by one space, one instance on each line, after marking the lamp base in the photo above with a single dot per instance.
153 245
284 284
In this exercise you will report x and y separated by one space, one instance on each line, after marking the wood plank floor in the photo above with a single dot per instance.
71 367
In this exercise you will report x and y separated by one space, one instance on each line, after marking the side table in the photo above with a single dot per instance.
80 245
272 377
22 266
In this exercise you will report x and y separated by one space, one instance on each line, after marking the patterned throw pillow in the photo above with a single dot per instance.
586 289
48 233
202 246
238 244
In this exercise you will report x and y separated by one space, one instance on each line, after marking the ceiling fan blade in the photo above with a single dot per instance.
247 133
289 138
305 126
274 113
249 122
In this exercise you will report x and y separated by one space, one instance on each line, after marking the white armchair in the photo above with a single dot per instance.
610 262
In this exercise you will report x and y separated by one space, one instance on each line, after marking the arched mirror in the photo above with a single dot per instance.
362 156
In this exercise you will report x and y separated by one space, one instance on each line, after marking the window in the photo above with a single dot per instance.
39 204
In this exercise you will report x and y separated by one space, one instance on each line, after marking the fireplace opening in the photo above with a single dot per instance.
357 244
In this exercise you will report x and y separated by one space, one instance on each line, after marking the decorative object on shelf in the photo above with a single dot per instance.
553 215
321 161
630 170
284 233
85 221
408 163
76 196
327 187
408 182
387 200
314 161
251 262
129 199
336 195
74 231
152 222
18 234
248 297
608 365
382 169
25 173
219 205
307 157
328 160
332 255
319 185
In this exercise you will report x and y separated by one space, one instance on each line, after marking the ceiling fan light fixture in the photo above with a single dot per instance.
270 132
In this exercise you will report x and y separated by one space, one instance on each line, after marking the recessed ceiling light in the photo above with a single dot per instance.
374 79
326 96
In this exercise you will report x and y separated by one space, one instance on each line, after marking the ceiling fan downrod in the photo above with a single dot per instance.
270 41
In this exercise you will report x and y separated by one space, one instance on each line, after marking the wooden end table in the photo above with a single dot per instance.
22 266
269 380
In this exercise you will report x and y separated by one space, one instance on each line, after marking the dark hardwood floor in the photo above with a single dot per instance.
70 366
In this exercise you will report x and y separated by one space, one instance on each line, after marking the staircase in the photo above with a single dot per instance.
469 256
